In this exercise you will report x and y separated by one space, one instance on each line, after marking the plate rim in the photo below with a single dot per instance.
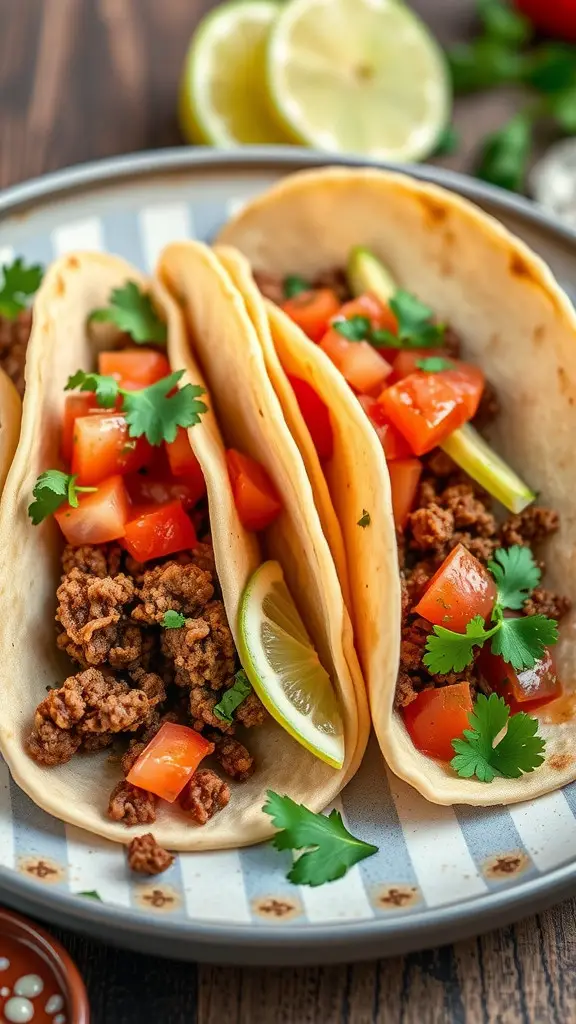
268 944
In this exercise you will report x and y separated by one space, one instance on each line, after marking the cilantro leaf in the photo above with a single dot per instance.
156 414
415 326
551 68
519 750
105 388
505 153
52 489
447 142
516 575
294 285
90 894
172 619
522 641
447 651
504 24
132 311
484 64
19 282
365 519
434 364
330 848
356 328
233 697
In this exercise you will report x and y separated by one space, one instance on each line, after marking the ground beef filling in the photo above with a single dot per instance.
146 857
451 509
135 675
14 337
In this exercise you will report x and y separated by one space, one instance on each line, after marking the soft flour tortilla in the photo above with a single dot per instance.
29 566
10 415
517 324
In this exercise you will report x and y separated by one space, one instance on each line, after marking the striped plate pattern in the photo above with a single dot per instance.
428 856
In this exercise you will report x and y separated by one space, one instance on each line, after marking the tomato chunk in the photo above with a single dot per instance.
257 502
404 477
316 416
437 717
394 444
335 345
181 458
134 368
407 359
460 589
380 316
427 407
528 688
103 447
312 310
152 488
156 532
169 761
364 368
75 406
99 518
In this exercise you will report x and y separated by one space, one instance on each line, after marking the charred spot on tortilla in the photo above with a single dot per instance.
435 210
559 762
539 334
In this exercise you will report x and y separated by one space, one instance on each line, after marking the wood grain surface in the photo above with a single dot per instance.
81 79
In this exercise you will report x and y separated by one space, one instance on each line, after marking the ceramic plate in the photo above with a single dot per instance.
440 872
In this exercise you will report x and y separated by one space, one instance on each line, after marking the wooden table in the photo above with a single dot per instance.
81 79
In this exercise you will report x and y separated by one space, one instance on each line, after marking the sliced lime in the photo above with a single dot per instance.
283 666
223 87
366 273
358 76
474 455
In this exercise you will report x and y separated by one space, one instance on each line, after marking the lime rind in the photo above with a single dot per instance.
474 455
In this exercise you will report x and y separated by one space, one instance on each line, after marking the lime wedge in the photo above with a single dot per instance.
284 669
358 76
474 455
222 98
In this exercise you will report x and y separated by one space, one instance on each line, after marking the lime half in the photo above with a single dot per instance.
223 87
284 669
358 76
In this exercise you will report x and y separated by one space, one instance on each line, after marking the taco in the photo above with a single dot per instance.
149 540
443 351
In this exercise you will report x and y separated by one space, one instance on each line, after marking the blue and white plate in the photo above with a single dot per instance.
440 872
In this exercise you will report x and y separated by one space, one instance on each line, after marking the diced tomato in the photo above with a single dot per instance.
80 404
437 717
364 368
181 458
169 761
102 447
380 316
99 518
460 589
407 359
427 407
335 345
257 502
134 368
394 444
316 416
528 688
312 310
154 532
404 477
159 489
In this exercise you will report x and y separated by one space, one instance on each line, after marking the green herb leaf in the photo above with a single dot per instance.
522 641
294 285
415 325
132 311
172 619
364 520
504 155
90 894
447 651
105 388
519 750
504 24
156 414
52 489
516 575
447 142
19 282
357 328
551 68
485 64
233 697
331 849
434 364
562 107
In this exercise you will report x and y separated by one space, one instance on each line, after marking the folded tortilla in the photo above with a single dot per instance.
516 324
10 416
242 403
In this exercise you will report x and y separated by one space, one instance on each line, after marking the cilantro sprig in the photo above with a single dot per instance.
172 619
18 283
330 849
416 327
294 285
153 412
52 489
233 697
365 519
482 753
520 641
132 311
434 364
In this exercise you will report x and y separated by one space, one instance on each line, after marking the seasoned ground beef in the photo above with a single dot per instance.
234 758
151 684
251 711
203 649
91 613
48 744
132 805
14 337
96 560
172 587
533 525
204 795
202 703
546 602
488 408
146 857
270 285
432 527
